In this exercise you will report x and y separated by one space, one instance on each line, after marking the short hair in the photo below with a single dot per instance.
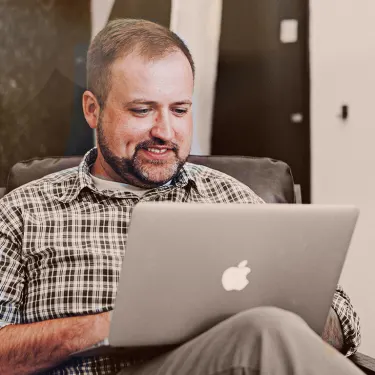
121 37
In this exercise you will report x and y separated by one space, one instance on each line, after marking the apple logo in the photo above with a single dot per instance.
235 278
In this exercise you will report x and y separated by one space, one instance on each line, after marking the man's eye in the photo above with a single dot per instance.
180 111
141 112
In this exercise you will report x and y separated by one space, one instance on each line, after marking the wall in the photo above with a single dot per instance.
343 154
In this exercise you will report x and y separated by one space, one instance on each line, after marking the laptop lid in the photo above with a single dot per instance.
189 266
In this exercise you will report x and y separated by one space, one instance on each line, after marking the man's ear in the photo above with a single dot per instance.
91 109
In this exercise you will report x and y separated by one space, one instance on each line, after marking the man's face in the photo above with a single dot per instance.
144 132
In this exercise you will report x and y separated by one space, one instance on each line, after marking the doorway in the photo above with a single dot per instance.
262 103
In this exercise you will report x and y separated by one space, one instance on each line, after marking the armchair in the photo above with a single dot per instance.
271 179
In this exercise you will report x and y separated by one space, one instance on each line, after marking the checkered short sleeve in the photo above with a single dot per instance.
12 276
349 320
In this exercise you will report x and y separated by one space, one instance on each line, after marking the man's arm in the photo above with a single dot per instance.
30 348
343 321
333 331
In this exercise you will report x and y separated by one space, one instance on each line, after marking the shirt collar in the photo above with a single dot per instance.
83 180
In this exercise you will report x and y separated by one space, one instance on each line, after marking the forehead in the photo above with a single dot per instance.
166 78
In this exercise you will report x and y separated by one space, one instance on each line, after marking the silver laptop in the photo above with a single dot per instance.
189 266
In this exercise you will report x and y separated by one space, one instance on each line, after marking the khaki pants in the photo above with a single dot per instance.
260 341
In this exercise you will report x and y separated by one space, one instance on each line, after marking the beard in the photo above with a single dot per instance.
140 172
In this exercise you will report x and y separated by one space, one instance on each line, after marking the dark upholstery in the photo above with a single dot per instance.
270 179
33 169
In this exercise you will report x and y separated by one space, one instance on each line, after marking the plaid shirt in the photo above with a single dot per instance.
62 242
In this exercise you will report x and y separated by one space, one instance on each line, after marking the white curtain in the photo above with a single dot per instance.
198 23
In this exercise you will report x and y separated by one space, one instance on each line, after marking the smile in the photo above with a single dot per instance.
158 150
155 153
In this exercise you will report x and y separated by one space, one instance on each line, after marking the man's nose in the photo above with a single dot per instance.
162 127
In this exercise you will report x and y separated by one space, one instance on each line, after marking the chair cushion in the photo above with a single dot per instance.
271 179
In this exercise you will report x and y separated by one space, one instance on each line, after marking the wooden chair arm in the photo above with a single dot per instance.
364 362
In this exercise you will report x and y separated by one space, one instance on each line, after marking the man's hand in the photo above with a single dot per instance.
333 331
30 348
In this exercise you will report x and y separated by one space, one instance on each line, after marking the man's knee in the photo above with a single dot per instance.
261 319
249 336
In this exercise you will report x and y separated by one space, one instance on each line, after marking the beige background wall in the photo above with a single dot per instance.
343 153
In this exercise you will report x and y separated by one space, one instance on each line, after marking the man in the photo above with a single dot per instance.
63 238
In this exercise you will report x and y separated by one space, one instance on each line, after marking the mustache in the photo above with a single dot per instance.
151 143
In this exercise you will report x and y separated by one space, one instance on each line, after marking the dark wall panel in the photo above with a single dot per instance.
37 68
156 10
